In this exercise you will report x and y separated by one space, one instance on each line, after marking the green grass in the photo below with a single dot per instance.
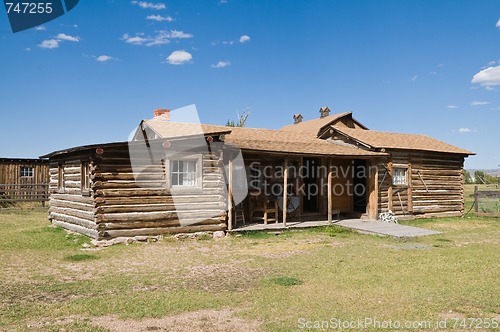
268 280
286 281
80 257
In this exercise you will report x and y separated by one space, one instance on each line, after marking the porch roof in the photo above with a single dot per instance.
388 140
278 141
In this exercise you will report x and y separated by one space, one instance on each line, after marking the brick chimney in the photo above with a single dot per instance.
324 112
162 114
297 118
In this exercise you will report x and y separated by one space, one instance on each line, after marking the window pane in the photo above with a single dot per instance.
175 165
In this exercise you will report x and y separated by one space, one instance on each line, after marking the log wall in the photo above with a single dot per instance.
122 202
10 171
435 185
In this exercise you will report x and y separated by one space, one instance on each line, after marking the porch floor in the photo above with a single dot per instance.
361 225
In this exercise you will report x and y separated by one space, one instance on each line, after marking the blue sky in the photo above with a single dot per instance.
90 76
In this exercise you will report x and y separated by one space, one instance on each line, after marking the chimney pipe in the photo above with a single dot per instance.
324 112
297 118
162 114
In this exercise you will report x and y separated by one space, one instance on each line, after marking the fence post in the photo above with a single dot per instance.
476 198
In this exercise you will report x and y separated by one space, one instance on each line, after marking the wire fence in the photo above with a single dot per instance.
487 202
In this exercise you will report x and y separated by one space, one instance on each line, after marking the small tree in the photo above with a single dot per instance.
467 177
483 178
242 119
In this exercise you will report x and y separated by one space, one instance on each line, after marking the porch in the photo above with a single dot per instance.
361 225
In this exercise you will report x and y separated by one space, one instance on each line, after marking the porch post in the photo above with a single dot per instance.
230 197
285 191
330 210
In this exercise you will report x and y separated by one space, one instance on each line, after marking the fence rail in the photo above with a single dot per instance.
487 202
15 193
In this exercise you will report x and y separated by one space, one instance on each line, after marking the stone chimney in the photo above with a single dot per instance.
297 118
162 114
324 112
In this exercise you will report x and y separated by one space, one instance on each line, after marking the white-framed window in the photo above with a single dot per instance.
400 176
85 177
184 173
26 172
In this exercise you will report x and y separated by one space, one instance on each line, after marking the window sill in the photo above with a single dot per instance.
185 190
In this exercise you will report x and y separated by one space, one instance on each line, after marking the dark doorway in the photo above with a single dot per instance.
311 184
360 185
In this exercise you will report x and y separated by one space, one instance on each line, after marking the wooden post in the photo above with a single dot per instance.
230 197
373 190
410 186
476 199
285 190
329 186
389 190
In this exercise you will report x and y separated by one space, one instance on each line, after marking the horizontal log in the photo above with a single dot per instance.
166 230
157 216
132 192
77 228
72 198
88 215
71 204
160 207
128 176
127 184
156 224
72 184
439 214
445 172
437 202
71 170
73 220
201 198
72 191
436 208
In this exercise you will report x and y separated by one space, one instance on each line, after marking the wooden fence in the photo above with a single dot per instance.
487 202
10 194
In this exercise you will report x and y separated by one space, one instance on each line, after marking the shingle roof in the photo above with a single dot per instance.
264 140
379 139
167 129
290 142
313 127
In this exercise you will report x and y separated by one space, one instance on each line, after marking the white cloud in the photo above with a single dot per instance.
49 43
161 37
222 2
488 77
464 130
104 58
413 78
179 57
179 34
137 39
244 39
40 28
498 24
479 103
149 5
452 106
65 37
159 18
221 64
27 49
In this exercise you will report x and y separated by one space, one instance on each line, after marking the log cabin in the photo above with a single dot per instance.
174 177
